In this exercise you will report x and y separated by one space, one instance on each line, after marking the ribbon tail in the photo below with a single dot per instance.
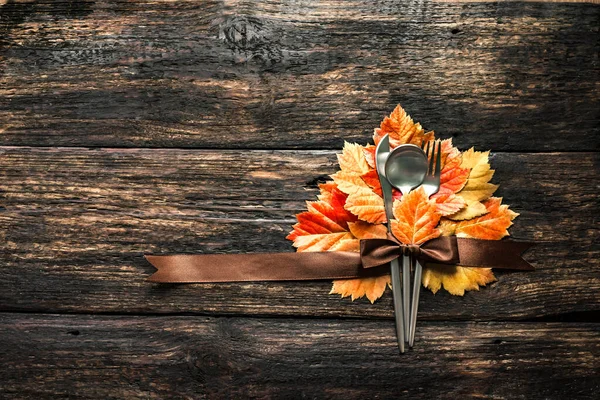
493 254
205 268
174 268
155 261
518 262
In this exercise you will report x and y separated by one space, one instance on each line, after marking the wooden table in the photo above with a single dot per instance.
198 126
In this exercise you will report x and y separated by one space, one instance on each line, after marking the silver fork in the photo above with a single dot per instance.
431 185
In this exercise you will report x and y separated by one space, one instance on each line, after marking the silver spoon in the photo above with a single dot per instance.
405 169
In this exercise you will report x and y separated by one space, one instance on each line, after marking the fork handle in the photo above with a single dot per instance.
398 309
415 302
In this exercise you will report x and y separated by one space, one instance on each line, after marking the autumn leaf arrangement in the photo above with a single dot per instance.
350 207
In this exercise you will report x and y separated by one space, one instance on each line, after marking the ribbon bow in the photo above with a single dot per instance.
377 252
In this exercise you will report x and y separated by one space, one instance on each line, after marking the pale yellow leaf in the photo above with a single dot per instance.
447 227
456 279
477 187
472 210
349 182
352 159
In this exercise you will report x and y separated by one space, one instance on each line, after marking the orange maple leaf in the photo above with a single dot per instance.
325 225
453 178
372 287
402 129
416 218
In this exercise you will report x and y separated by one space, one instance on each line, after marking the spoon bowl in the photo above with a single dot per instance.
406 167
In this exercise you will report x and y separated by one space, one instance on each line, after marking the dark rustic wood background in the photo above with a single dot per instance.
195 126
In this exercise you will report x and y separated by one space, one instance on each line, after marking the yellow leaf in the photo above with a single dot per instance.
477 187
456 280
352 159
349 182
472 210
447 227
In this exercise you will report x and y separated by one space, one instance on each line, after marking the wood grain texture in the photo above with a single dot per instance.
73 231
48 356
254 74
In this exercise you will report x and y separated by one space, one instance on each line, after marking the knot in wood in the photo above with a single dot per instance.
245 33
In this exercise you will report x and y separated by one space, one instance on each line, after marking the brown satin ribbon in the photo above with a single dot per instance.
372 260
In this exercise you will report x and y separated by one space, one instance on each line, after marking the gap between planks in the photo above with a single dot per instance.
263 150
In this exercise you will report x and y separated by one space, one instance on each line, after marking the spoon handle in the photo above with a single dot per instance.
406 294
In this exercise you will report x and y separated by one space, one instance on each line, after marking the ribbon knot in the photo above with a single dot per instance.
377 252
410 250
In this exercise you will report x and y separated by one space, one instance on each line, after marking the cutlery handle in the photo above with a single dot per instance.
398 309
406 294
415 303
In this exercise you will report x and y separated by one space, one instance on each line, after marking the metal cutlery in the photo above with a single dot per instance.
405 169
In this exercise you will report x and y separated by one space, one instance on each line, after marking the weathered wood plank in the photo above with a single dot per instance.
47 356
255 74
74 224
